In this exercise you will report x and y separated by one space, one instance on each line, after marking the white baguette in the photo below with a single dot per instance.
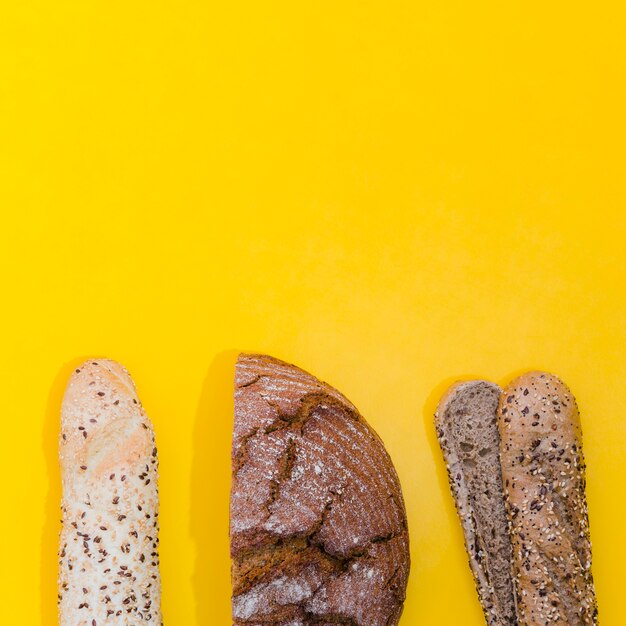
108 561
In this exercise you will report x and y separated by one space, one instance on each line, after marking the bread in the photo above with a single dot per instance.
544 478
108 562
318 526
468 435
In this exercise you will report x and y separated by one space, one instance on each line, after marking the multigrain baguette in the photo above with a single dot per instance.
544 478
108 561
468 435
318 526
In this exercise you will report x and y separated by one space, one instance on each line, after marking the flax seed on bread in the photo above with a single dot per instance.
108 554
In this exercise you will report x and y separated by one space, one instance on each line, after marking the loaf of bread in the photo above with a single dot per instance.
108 561
318 526
544 480
468 435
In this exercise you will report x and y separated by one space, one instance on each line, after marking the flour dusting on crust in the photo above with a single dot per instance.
318 524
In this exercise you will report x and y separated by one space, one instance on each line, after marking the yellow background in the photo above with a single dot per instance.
390 194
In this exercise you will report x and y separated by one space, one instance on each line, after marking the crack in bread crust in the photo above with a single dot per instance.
318 526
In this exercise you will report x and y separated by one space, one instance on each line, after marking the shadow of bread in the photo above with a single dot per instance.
210 491
52 524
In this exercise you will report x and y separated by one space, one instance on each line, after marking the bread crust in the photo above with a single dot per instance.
544 478
498 606
108 552
318 526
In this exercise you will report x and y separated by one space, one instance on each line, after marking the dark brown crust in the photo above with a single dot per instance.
544 476
318 524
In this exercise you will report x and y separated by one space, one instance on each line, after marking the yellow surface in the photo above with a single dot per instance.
389 194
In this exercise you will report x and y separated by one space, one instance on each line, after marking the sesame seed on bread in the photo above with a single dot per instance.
544 480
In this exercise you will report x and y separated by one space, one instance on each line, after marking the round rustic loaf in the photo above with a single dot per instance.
317 521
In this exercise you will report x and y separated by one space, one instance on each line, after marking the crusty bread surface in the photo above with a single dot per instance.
318 526
544 479
108 553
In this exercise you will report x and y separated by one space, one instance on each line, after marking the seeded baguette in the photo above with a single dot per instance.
318 527
108 561
468 435
544 477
